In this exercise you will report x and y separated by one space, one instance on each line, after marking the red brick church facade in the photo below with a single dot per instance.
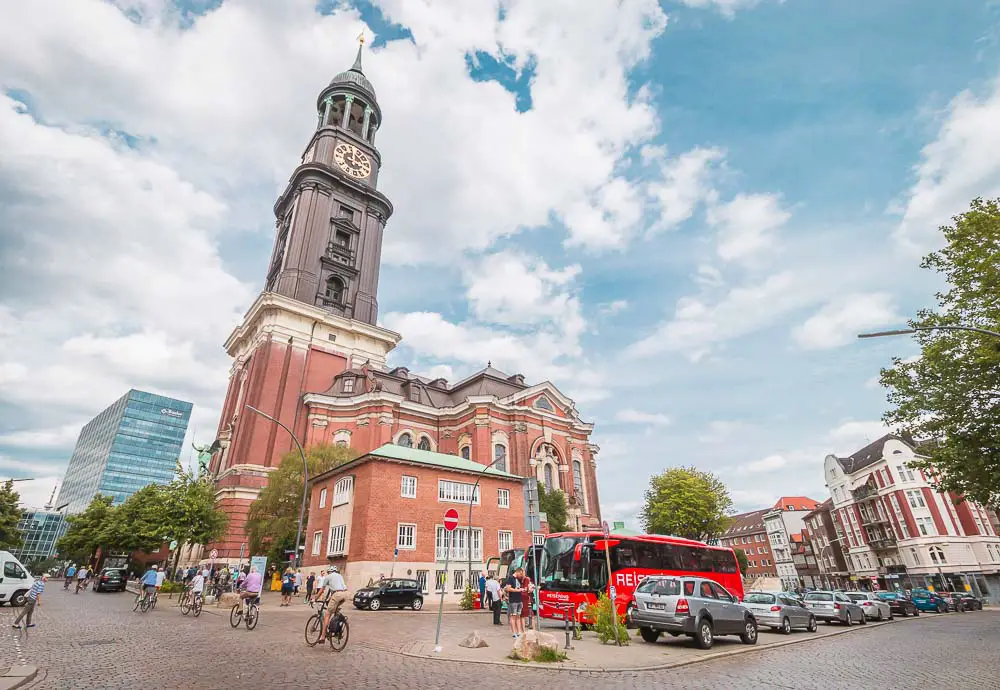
309 352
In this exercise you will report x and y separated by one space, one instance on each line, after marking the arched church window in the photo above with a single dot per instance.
424 444
500 457
335 289
406 441
548 477
466 452
578 481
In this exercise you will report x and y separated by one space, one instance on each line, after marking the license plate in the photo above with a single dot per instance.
658 607
557 615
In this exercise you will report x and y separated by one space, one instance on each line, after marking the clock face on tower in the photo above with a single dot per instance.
352 161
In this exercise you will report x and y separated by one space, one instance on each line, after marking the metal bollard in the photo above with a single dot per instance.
569 612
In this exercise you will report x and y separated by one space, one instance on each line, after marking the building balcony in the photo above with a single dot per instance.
882 543
340 254
865 493
874 519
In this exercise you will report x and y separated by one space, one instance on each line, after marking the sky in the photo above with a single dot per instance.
680 213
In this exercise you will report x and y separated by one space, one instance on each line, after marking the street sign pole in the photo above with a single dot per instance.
395 554
450 523
611 586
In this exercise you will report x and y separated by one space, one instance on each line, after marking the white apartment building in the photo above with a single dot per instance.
899 531
781 522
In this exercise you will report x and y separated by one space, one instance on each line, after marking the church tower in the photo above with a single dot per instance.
316 316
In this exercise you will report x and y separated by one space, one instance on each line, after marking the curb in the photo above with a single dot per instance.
743 649
17 676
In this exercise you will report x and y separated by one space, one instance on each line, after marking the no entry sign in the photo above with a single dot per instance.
451 519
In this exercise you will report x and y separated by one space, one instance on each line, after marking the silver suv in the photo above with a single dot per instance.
692 606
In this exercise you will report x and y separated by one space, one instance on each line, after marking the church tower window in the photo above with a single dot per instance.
548 477
335 289
406 441
424 444
500 457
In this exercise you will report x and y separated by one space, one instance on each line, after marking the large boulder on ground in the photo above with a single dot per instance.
228 599
531 641
473 641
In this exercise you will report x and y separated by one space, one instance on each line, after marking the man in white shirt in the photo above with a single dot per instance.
81 577
161 575
495 597
334 589
197 585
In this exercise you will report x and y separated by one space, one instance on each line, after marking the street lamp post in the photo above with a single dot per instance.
910 331
305 481
472 499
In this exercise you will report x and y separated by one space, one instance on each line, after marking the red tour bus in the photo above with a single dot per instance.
574 568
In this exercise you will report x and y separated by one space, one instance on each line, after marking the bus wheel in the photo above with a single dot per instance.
649 635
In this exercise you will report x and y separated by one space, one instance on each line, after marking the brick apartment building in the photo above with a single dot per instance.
747 532
395 498
899 531
822 534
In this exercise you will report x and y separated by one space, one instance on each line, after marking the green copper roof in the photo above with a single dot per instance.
426 457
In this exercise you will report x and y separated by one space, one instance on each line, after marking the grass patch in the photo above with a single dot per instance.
546 655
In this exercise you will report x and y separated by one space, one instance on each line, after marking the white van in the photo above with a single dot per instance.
14 580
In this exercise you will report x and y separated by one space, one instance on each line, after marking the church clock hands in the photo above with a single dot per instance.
352 161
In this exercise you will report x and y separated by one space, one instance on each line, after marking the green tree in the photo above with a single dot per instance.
87 531
951 393
686 502
741 557
274 517
553 504
10 514
139 523
189 511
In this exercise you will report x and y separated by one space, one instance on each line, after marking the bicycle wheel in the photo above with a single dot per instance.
236 616
197 607
313 627
138 602
152 602
339 640
253 613
144 605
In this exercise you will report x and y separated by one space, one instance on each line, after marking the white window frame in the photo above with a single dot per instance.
338 540
450 491
458 580
403 486
458 540
538 539
915 497
503 498
322 498
406 529
317 542
505 535
926 526
342 491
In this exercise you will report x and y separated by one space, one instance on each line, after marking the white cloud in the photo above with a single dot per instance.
962 163
747 225
723 431
767 464
853 435
839 321
682 185
614 307
55 437
726 8
629 416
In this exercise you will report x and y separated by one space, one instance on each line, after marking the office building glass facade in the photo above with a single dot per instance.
133 443
42 528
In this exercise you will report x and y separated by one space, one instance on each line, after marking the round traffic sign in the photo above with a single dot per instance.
451 519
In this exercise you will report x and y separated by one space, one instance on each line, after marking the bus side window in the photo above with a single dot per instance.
670 558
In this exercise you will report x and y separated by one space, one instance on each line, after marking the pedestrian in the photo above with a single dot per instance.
310 584
70 574
495 598
298 581
81 575
527 613
287 586
482 591
515 602
34 599
161 575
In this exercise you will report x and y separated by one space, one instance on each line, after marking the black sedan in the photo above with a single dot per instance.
899 604
969 601
110 580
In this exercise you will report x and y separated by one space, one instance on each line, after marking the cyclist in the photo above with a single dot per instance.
197 587
252 585
334 589
149 582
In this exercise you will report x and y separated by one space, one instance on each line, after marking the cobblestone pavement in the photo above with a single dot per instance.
95 640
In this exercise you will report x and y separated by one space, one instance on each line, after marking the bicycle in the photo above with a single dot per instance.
191 603
337 631
143 602
249 615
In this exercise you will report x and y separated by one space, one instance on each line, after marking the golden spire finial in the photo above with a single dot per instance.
361 38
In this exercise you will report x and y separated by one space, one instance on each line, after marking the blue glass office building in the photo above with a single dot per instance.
41 529
135 442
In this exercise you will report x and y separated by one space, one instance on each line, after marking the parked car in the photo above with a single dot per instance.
926 600
110 580
692 606
874 608
971 602
15 582
399 593
899 604
779 611
834 606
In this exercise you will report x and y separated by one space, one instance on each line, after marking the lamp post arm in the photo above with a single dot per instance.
305 481
909 331
472 500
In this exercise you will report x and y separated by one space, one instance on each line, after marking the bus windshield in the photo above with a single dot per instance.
562 572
